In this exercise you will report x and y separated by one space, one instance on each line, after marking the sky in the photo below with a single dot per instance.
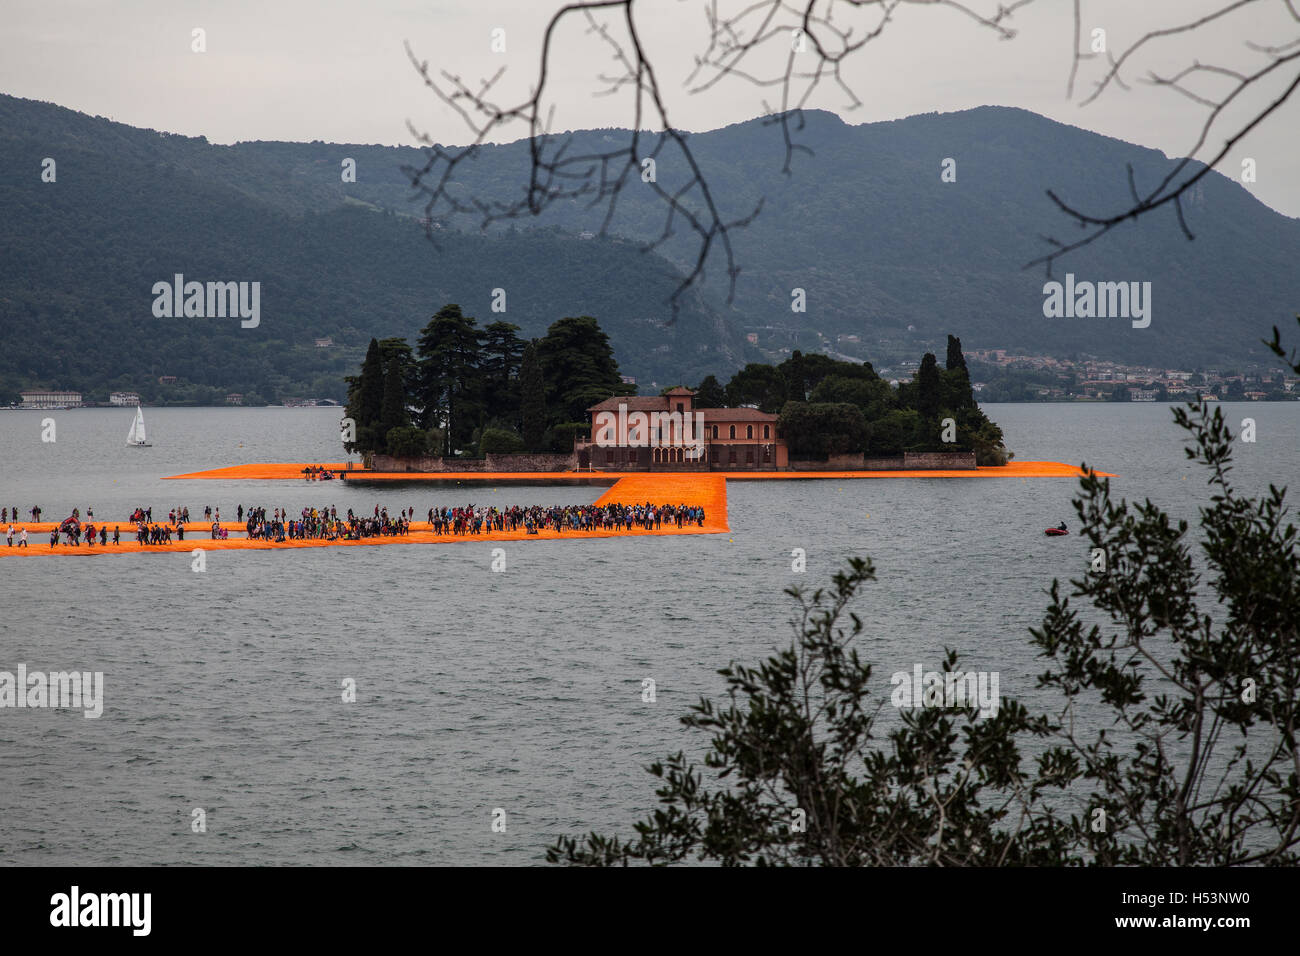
337 71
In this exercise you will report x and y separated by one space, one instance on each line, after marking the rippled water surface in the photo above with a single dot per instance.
478 690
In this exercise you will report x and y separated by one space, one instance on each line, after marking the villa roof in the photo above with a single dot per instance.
634 403
736 415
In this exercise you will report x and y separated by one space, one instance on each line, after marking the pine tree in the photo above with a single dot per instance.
579 367
450 389
710 394
502 352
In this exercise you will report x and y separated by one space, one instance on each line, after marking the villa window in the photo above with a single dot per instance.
715 431
767 431
733 434
749 431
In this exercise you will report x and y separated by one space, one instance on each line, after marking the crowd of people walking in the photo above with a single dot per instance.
325 523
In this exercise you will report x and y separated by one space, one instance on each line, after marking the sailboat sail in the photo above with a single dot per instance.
136 435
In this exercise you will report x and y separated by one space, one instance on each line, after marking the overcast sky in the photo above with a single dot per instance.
336 71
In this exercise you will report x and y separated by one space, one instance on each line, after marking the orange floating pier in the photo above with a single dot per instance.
287 471
708 491
702 489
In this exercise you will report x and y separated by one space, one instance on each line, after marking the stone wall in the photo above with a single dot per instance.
492 463
946 460
833 463
910 461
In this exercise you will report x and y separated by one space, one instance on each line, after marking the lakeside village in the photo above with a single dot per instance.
1004 376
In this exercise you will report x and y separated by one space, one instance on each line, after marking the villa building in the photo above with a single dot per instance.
668 433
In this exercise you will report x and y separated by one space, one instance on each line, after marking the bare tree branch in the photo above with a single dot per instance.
795 48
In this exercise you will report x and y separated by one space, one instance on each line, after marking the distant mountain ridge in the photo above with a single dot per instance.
865 226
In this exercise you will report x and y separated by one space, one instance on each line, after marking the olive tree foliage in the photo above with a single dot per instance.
793 50
1174 664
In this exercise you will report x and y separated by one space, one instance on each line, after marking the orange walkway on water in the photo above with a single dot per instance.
286 471
708 491
270 471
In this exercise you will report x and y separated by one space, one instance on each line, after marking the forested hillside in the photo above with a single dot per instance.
885 251
130 208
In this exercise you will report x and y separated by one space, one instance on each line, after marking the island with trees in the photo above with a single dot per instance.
465 391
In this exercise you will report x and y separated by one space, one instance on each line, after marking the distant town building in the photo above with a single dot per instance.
43 399
166 379
628 379
235 398
324 343
585 234
1143 394
123 398
752 338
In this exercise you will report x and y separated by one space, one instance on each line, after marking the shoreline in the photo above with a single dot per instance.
293 471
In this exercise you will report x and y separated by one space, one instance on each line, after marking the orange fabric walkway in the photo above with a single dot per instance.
707 490
286 471
268 471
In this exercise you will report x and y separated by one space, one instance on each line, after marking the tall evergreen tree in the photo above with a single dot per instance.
450 383
503 350
955 357
710 394
579 367
393 412
928 387
532 387
365 399
399 347
957 391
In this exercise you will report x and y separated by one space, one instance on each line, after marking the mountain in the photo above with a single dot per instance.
864 225
130 208
879 242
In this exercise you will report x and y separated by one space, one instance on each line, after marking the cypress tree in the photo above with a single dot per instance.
365 400
532 386
955 357
928 386
393 409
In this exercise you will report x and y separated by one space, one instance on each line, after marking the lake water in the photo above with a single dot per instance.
478 690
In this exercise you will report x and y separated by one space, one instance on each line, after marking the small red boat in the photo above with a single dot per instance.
1055 532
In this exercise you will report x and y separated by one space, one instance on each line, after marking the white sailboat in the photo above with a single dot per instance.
136 435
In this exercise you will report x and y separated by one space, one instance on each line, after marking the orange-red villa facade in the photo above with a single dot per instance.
668 433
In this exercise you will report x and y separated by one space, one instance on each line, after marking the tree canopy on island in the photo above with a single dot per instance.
471 390
833 407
